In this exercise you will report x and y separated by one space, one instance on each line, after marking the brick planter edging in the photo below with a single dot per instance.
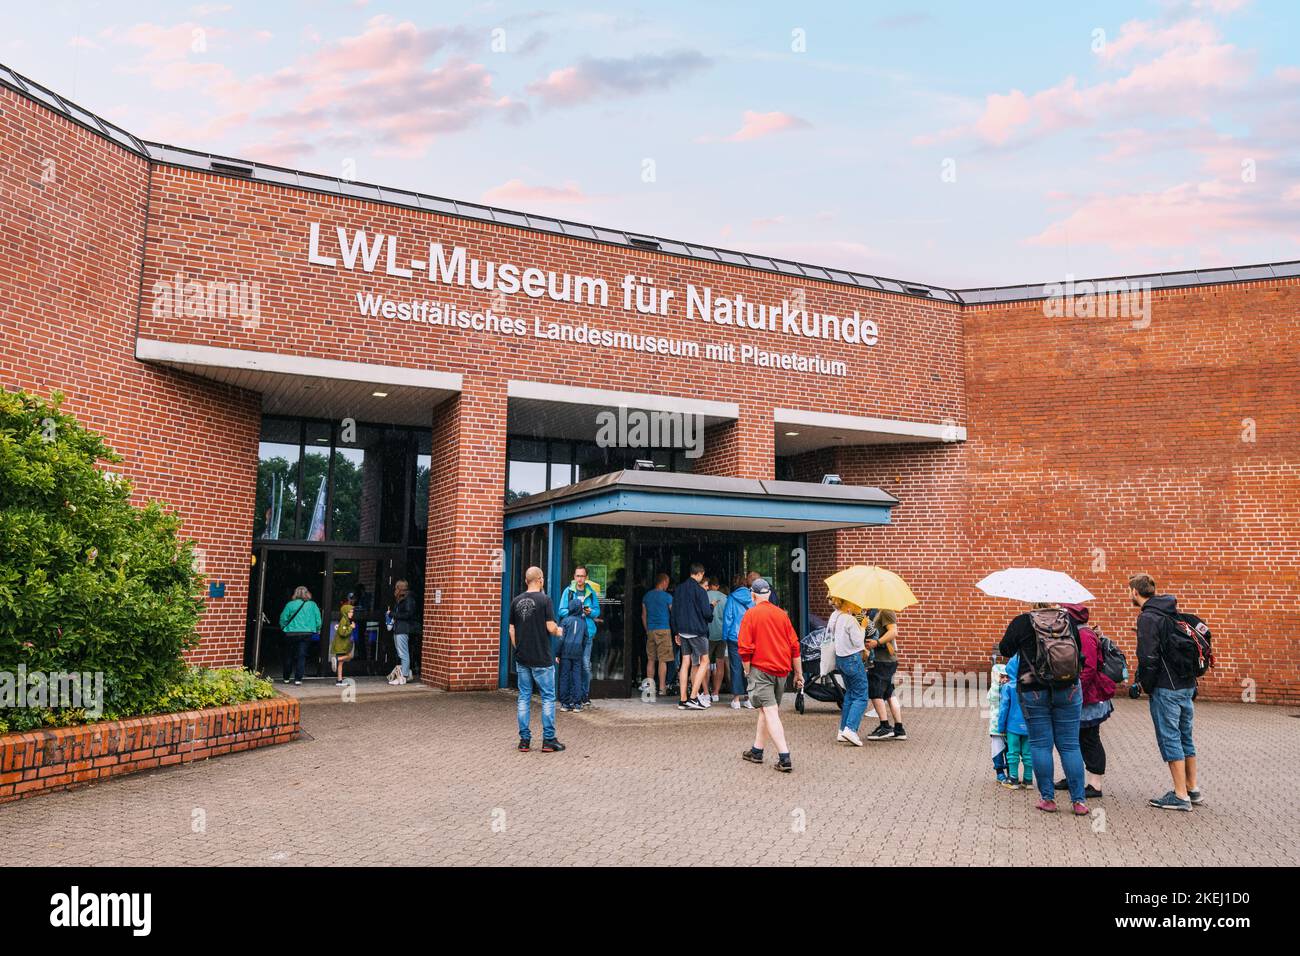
61 758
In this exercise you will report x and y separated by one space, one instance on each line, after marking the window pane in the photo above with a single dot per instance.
277 480
420 499
355 508
592 461
526 469
315 478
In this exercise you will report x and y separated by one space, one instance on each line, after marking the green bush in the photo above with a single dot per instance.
195 689
90 582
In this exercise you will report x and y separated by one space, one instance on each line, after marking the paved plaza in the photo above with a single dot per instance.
422 777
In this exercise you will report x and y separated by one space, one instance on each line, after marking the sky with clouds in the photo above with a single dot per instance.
941 142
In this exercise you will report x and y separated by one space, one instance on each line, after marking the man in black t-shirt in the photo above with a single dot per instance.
532 622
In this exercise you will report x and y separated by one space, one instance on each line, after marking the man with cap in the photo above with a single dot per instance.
769 650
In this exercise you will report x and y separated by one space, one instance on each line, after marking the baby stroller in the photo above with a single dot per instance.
827 687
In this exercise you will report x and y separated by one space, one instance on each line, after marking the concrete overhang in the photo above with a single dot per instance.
544 410
314 387
799 431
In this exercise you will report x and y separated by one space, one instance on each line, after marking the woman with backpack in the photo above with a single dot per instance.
1047 640
1098 689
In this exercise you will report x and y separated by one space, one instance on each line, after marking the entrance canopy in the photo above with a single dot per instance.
677 500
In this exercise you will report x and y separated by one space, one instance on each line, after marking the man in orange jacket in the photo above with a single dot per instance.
769 650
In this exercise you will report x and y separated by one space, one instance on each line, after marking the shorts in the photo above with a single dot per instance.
717 651
880 680
335 658
1171 713
696 647
765 689
659 646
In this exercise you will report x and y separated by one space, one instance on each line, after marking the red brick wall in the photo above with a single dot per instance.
63 758
72 214
1103 450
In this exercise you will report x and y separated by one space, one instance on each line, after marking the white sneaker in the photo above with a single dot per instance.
748 704
735 703
714 698
704 701
839 736
851 737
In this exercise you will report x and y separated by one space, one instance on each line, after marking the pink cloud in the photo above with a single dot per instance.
758 125
516 192
1192 67
609 77
1176 217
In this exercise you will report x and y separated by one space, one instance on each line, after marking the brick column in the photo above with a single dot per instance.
462 631
744 448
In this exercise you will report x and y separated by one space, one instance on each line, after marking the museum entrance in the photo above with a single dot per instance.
623 563
364 577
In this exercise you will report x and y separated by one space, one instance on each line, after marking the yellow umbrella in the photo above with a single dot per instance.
868 586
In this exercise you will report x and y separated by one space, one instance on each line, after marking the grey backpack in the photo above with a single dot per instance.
1056 661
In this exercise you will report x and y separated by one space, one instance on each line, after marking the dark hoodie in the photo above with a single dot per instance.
1151 623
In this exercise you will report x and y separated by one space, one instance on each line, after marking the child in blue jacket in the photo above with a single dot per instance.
573 635
1011 721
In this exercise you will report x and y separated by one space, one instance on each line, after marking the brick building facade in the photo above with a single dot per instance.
1008 434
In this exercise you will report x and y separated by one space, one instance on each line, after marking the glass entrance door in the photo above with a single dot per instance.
331 575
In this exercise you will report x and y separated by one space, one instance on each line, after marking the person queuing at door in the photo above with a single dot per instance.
343 645
656 618
573 634
717 643
769 649
299 620
740 600
582 590
532 625
1171 690
405 623
692 611
850 650
880 678
754 576
1047 686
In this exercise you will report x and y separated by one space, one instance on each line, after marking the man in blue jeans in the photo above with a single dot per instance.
1169 692
582 591
532 624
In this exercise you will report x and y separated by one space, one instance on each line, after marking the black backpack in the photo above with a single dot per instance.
1056 658
1185 645
1112 662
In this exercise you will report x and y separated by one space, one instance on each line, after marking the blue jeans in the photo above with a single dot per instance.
586 668
403 644
736 669
543 678
570 691
1171 713
1053 718
855 690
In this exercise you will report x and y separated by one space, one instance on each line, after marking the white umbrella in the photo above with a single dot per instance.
1033 585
